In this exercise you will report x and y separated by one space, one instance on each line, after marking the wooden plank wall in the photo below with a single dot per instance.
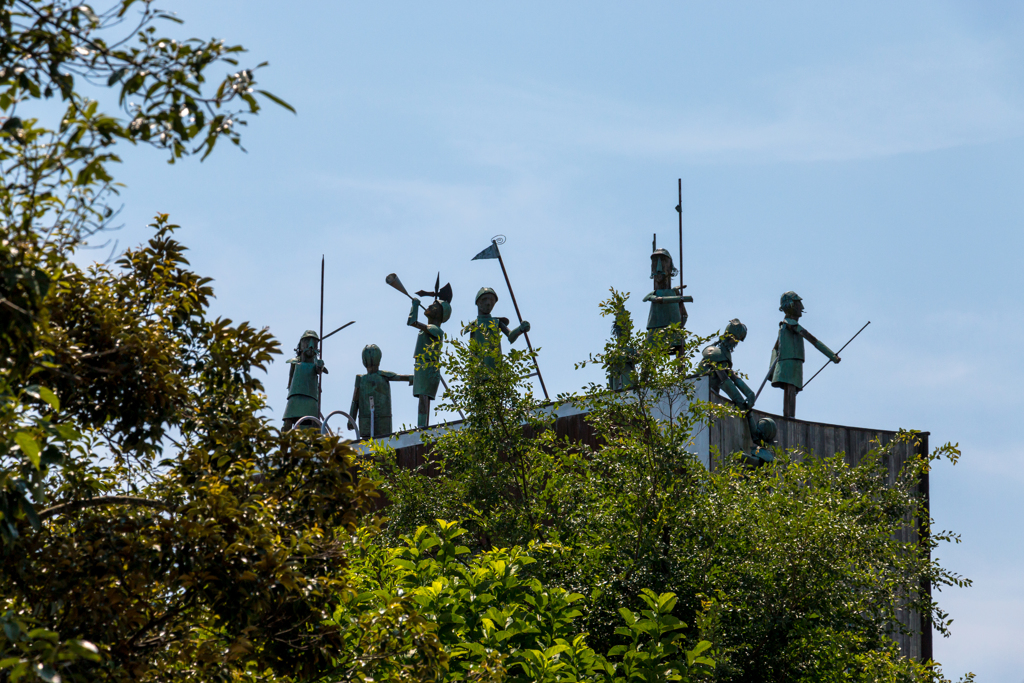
731 435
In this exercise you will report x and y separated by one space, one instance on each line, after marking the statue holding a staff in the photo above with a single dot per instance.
665 300
303 381
788 352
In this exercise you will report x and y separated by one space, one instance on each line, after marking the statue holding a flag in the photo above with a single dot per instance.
485 300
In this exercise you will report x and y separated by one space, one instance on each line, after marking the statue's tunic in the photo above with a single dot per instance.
487 333
666 313
302 391
790 354
373 385
426 362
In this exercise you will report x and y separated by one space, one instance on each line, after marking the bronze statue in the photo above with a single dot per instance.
716 362
302 382
762 433
486 328
788 352
426 357
371 400
666 301
622 372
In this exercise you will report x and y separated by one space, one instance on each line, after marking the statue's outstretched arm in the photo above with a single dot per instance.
354 410
817 344
747 391
514 334
731 383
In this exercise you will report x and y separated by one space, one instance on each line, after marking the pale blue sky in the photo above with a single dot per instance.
867 155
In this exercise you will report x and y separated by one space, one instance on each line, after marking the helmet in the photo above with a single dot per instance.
766 430
485 290
446 309
787 299
736 329
308 334
663 252
371 355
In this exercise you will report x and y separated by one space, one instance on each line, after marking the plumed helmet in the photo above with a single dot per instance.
371 355
309 334
736 329
767 429
663 253
443 306
787 299
485 290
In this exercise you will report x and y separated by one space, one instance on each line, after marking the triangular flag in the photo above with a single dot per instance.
489 252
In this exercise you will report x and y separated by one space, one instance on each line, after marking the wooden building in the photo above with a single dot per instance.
729 435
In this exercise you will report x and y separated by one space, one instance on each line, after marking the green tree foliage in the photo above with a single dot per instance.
802 559
152 525
496 622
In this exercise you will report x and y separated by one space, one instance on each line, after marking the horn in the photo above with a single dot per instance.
393 280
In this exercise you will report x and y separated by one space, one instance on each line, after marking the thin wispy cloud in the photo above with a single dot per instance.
911 98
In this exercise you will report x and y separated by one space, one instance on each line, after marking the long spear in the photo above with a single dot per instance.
682 305
487 253
320 344
837 353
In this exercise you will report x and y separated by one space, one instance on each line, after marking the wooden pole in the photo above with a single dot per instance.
526 335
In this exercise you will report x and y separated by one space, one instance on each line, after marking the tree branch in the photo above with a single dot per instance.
98 501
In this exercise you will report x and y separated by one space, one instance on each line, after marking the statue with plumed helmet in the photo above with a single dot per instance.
427 355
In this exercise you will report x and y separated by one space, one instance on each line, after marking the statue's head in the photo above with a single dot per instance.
439 312
306 349
485 300
662 268
766 430
735 332
371 356
791 304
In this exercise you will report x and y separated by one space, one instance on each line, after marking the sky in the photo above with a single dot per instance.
869 156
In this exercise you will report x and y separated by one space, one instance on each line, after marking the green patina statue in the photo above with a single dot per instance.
716 362
427 356
622 372
667 302
762 433
486 330
302 382
371 400
788 352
